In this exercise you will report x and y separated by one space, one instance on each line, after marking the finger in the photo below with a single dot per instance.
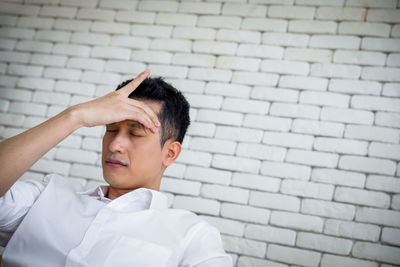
146 109
138 115
130 87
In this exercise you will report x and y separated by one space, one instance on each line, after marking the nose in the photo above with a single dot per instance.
117 143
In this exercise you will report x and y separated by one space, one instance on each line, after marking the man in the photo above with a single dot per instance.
126 223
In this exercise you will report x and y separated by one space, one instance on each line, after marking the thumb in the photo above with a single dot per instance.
131 86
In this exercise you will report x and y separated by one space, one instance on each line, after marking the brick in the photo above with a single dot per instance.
17 57
178 186
212 145
355 87
130 41
86 63
254 78
227 22
71 50
274 94
196 204
262 152
201 129
208 175
384 15
393 60
285 67
97 77
387 119
243 36
32 121
328 209
324 98
238 134
6 20
322 128
285 39
111 52
274 201
244 246
51 98
50 166
335 70
72 25
263 51
151 56
225 193
293 255
48 60
24 70
53 36
364 28
86 171
136 17
235 163
36 23
34 46
340 13
310 26
8 44
291 12
367 164
110 27
376 252
93 144
324 243
225 89
95 14
78 156
59 73
195 158
383 183
307 54
57 11
395 202
204 101
17 94
307 189
338 177
11 8
248 261
158 6
208 74
359 57
378 216
362 197
267 123
238 63
352 230
296 221
36 83
264 24
157 31
341 146
382 150
212 47
295 110
270 234
8 119
27 108
381 44
193 59
245 10
246 106
220 117
333 260
288 140
308 83
380 74
199 8
286 170
90 38
16 33
225 226
258 182
347 115
335 41
169 71
391 236
90 3
396 31
372 3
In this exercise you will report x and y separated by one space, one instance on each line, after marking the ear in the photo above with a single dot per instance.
172 151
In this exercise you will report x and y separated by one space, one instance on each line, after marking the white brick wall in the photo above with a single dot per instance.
294 148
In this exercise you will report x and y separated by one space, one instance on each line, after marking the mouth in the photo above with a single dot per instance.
115 163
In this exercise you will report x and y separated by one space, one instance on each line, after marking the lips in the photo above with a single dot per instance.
115 163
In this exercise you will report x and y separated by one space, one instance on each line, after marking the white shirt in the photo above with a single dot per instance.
48 224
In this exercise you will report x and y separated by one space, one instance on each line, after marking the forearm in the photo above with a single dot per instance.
19 153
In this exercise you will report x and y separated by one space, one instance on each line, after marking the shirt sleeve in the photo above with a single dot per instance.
205 249
15 204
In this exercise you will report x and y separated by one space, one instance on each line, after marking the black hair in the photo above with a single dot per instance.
174 113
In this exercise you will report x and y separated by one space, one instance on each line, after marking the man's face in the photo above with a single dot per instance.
132 155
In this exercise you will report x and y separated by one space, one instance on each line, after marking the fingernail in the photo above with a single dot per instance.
158 124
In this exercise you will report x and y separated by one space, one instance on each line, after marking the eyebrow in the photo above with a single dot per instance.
136 125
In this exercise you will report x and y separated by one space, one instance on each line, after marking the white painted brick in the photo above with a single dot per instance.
274 201
376 252
307 189
193 60
225 89
242 36
270 234
227 22
308 83
169 71
72 25
226 226
324 243
286 170
372 3
9 44
335 41
308 54
248 261
18 57
48 60
285 67
254 78
36 83
352 230
355 87
10 20
130 41
157 31
244 246
220 117
118 4
264 24
195 158
152 56
4 105
395 202
359 57
61 73
312 26
11 8
364 28
245 10
378 216
367 164
393 60
338 177
391 236
235 163
381 150
288 140
75 88
111 52
274 94
267 123
333 260
335 70
58 11
263 51
340 13
208 74
383 183
295 110
381 74
238 63
189 86
291 12
196 204
246 106
51 98
347 115
262 152
372 133
97 77
293 255
212 145
318 127
158 6
212 47
27 108
285 39
396 30
34 22
275 2
136 17
204 101
53 36
325 99
93 144
384 15
296 221
387 119
86 171
328 209
238 134
381 44
127 67
71 50
257 182
225 193
201 129
32 121
199 8
50 166
179 186
90 38
78 156
11 119
208 175
175 170
86 63
362 197
34 46
96 14
16 33
24 70
17 94
342 146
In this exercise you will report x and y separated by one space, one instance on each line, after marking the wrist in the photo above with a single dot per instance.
74 114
